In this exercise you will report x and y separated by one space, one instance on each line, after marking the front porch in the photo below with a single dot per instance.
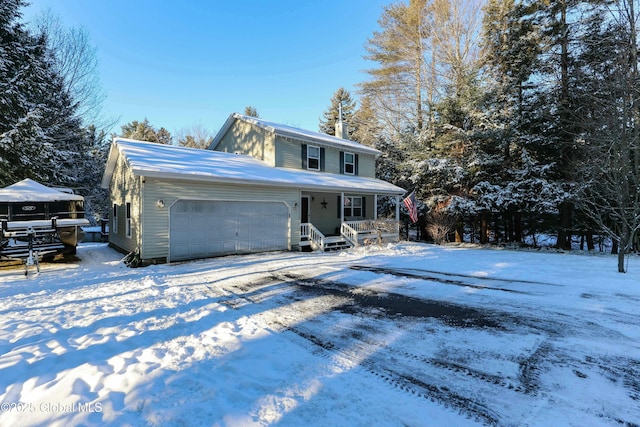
335 221
352 234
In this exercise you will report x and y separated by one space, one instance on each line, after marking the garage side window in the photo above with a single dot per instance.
114 218
128 222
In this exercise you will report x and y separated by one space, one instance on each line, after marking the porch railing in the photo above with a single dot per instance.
355 232
349 233
315 236
358 231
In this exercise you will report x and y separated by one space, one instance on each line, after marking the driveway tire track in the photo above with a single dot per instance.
433 276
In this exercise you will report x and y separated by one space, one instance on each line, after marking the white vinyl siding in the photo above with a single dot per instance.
244 138
287 154
156 219
124 188
366 165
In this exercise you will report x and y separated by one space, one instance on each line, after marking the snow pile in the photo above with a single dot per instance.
407 334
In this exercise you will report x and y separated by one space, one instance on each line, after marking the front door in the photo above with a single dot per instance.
304 211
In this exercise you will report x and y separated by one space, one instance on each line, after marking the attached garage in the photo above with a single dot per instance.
172 203
207 228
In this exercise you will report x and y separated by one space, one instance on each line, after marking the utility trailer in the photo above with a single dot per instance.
38 221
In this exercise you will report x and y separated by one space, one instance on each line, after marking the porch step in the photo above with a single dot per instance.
336 243
304 241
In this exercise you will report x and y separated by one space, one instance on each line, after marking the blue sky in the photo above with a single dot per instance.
195 62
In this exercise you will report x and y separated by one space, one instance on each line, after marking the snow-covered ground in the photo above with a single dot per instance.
408 334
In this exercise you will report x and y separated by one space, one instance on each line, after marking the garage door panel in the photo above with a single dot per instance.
200 229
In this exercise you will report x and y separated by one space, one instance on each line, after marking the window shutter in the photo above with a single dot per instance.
342 162
339 205
356 166
322 159
364 205
304 155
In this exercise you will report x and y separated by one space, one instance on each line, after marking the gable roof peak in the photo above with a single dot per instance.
303 135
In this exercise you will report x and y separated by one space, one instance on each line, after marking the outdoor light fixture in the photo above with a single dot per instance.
160 203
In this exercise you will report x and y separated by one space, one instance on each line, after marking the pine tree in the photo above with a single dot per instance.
366 128
144 131
399 82
40 134
341 100
251 111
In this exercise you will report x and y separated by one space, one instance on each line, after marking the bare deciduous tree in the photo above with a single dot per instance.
439 225
76 59
195 136
611 164
425 50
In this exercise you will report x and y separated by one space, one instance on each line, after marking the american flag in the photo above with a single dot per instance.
410 203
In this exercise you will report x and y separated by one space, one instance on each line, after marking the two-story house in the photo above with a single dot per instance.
260 187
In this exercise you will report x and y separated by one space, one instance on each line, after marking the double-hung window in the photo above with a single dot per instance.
128 223
313 157
352 207
349 163
114 219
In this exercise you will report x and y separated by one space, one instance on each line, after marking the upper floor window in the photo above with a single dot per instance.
349 163
313 157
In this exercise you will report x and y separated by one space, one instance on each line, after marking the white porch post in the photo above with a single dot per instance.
375 207
398 217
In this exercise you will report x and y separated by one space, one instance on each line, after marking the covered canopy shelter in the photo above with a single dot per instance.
36 217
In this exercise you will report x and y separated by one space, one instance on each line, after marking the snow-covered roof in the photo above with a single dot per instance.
307 136
29 190
169 161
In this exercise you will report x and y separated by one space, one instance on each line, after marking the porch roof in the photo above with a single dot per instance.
168 161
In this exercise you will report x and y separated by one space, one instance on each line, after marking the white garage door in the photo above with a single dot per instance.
206 228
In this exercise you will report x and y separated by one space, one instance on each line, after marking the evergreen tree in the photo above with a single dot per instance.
366 128
251 111
144 131
40 134
341 100
398 84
